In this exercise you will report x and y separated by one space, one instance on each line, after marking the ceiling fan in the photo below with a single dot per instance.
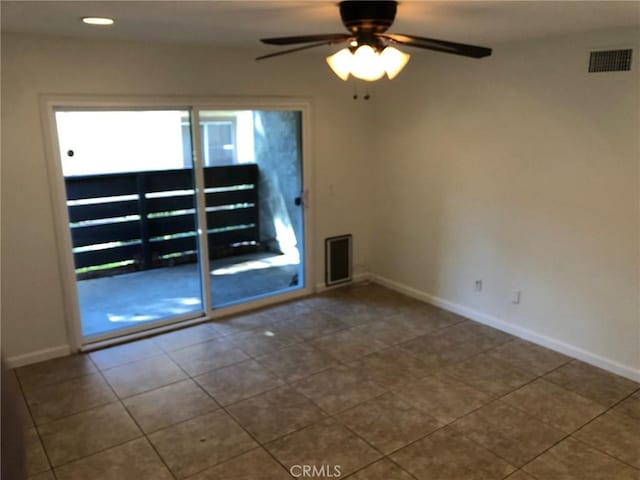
370 53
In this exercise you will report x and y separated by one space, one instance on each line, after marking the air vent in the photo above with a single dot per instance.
337 260
610 61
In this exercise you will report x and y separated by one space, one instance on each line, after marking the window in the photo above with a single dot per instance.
219 141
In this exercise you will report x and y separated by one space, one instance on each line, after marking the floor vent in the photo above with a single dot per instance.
610 61
337 265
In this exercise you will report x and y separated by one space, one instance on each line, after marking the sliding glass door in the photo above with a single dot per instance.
169 223
129 182
253 183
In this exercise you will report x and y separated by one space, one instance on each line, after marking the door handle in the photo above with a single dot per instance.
302 200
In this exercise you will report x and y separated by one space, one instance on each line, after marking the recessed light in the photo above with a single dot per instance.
98 20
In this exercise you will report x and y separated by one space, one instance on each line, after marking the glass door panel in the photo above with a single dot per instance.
130 195
253 186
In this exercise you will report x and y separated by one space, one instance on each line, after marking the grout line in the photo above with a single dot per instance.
608 410
98 452
603 452
148 440
35 427
153 355
25 388
260 445
144 434
400 467
79 412
184 420
117 400
567 435
384 457
82 410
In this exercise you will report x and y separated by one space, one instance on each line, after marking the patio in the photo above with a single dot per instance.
123 301
136 245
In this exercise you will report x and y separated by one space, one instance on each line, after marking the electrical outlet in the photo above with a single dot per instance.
478 285
515 296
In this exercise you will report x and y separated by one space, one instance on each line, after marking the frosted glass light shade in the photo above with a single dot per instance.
394 61
340 63
368 64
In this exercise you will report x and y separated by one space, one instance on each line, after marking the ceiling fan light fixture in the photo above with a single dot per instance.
394 61
368 64
340 63
367 57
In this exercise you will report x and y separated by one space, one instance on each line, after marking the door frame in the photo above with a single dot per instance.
48 106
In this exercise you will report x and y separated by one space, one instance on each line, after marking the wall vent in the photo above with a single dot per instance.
337 260
610 61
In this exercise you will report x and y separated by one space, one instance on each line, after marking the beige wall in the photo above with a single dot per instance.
521 170
32 296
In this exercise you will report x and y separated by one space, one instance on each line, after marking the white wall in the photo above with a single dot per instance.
32 296
521 170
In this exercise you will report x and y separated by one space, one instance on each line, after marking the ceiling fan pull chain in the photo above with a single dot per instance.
355 92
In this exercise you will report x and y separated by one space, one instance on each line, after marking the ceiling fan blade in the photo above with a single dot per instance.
438 45
291 50
327 37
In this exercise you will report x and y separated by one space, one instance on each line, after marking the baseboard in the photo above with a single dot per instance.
38 356
358 278
524 333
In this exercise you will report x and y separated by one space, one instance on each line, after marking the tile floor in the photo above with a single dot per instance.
360 382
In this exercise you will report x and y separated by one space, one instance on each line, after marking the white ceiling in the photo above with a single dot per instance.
243 23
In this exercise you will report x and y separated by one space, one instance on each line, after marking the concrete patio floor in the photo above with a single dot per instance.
123 301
